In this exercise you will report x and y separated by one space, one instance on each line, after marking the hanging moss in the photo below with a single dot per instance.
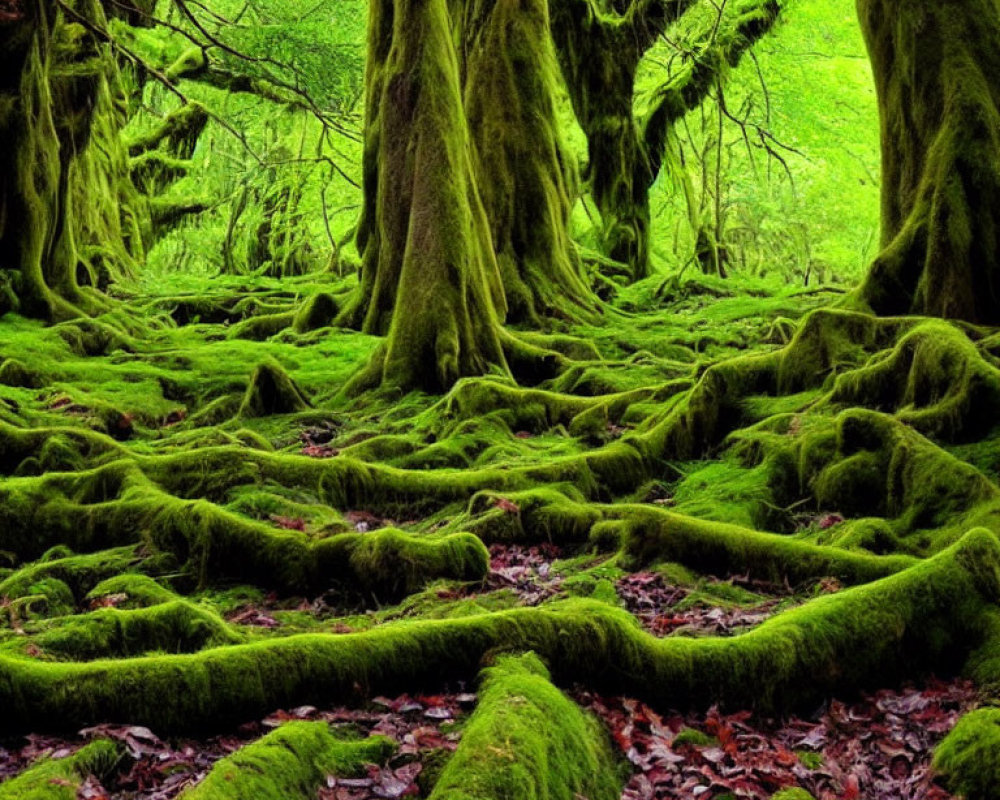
527 739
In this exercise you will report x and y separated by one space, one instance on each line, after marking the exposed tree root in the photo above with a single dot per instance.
866 444
926 617
528 739
290 763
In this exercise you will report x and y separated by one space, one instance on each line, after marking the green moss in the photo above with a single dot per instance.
794 793
290 763
717 548
318 311
271 391
527 739
59 779
140 591
864 463
696 738
969 757
175 626
927 617
78 573
15 373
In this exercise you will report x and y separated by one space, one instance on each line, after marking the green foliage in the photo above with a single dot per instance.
794 190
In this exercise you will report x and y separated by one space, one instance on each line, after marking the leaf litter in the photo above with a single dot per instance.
878 747
158 769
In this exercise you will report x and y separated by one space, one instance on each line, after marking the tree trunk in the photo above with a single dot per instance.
429 276
69 215
599 54
937 72
526 176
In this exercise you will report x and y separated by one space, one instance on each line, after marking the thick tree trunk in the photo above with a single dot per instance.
429 276
937 72
69 216
600 50
468 188
526 176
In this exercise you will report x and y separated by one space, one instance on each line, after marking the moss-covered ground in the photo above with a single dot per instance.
731 494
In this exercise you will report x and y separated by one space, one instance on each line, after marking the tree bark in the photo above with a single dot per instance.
527 178
70 219
937 73
429 276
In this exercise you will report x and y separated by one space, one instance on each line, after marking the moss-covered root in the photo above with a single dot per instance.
928 617
648 535
290 763
59 779
272 391
969 757
174 627
391 563
526 739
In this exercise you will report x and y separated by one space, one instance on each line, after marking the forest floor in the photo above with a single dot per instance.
755 540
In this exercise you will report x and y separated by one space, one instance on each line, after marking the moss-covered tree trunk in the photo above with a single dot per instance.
937 72
468 188
600 46
599 51
70 219
527 179
429 276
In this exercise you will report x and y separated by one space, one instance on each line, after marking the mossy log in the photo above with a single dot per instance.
937 71
526 739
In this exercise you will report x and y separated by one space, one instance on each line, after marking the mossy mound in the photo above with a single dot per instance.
968 759
290 763
527 739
